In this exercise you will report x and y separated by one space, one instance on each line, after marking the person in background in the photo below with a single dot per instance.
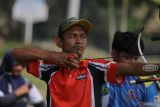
125 50
15 91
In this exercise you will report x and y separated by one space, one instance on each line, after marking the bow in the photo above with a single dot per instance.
142 55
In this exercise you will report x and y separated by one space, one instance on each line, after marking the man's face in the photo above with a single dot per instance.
124 57
17 70
74 40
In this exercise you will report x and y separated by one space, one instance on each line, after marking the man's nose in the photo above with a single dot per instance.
78 39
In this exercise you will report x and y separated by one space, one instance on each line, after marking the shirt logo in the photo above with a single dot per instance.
150 68
105 90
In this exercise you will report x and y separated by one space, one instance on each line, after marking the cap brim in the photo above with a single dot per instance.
87 26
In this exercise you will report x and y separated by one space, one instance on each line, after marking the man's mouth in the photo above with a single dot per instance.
78 48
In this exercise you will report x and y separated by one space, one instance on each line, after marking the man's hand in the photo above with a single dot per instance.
22 90
65 59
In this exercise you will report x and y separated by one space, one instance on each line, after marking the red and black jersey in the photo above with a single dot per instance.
80 87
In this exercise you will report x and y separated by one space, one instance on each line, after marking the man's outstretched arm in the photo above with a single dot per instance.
137 69
117 71
30 54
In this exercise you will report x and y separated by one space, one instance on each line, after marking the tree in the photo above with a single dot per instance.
111 20
124 15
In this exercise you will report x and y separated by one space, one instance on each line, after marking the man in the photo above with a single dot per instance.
15 91
125 50
72 82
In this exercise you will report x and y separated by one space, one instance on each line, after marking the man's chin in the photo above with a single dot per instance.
78 52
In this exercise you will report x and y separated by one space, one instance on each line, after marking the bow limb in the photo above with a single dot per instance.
139 48
141 54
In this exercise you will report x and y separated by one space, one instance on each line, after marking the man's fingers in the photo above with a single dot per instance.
74 65
67 59
72 56
71 64
74 61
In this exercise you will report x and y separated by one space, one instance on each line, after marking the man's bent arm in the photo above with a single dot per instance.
30 54
26 55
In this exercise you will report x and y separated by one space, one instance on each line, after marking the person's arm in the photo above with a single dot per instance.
8 100
116 72
11 99
31 54
137 69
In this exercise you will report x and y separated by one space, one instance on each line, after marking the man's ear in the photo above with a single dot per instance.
58 41
114 53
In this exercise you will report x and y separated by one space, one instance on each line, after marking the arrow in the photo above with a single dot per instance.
110 57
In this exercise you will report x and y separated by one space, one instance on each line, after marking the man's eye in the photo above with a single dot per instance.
71 35
83 35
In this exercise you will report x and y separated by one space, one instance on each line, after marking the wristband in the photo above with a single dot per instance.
151 67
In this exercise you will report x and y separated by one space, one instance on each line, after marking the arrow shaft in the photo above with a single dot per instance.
148 54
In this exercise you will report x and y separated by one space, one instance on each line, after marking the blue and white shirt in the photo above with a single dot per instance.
126 95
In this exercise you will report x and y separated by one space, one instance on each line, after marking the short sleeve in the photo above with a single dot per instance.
111 74
42 69
32 68
150 93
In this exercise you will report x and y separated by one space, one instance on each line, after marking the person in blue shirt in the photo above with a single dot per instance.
16 91
125 50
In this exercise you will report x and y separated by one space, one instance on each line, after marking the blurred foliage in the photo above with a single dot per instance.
140 13
4 46
157 1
